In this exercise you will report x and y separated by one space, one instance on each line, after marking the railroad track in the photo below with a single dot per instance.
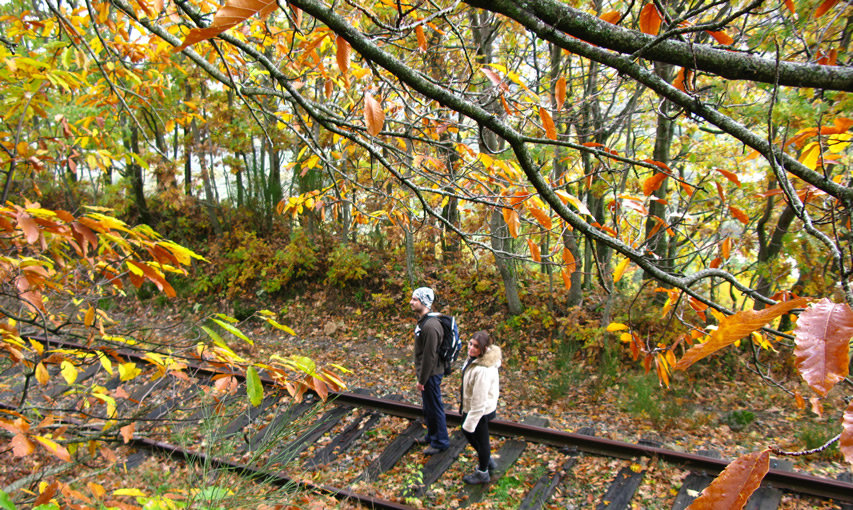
281 436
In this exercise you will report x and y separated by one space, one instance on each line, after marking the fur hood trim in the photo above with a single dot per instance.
491 358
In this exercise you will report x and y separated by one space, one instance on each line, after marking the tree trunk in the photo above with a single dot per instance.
136 179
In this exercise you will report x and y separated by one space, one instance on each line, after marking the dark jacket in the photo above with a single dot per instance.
428 337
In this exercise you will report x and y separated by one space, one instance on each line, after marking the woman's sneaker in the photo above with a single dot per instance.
493 466
477 477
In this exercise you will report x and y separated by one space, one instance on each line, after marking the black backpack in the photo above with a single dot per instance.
450 346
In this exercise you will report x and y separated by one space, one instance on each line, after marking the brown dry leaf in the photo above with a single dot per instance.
823 334
735 327
229 15
846 442
342 55
735 484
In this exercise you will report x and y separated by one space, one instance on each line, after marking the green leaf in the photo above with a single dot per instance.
6 502
254 388
234 331
213 335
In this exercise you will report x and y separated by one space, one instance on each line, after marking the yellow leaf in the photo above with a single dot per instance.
620 270
41 374
616 326
626 337
810 155
128 371
575 201
69 372
105 362
89 319
129 492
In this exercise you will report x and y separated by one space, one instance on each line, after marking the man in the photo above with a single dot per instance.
429 370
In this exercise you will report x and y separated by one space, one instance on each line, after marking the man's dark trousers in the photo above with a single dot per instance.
434 413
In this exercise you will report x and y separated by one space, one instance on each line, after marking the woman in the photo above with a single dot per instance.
480 386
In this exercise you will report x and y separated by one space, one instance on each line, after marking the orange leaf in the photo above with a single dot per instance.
654 182
735 327
790 5
726 248
512 221
829 58
729 175
560 92
567 278
682 80
535 252
507 108
721 37
822 353
89 319
342 55
687 188
650 19
721 192
611 17
127 432
548 123
422 42
53 447
374 116
715 263
152 275
96 489
569 260
824 7
846 442
735 484
739 215
229 15
541 216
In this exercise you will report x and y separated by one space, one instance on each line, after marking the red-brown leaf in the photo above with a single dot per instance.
846 442
735 484
822 353
374 116
548 123
229 15
654 182
650 19
735 327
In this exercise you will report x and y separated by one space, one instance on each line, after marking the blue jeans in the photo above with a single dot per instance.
434 413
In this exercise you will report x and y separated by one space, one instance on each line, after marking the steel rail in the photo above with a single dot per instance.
796 482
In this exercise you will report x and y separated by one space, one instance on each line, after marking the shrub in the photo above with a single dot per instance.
346 265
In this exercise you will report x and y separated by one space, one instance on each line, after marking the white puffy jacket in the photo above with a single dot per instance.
480 387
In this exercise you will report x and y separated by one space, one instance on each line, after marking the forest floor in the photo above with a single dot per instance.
717 405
